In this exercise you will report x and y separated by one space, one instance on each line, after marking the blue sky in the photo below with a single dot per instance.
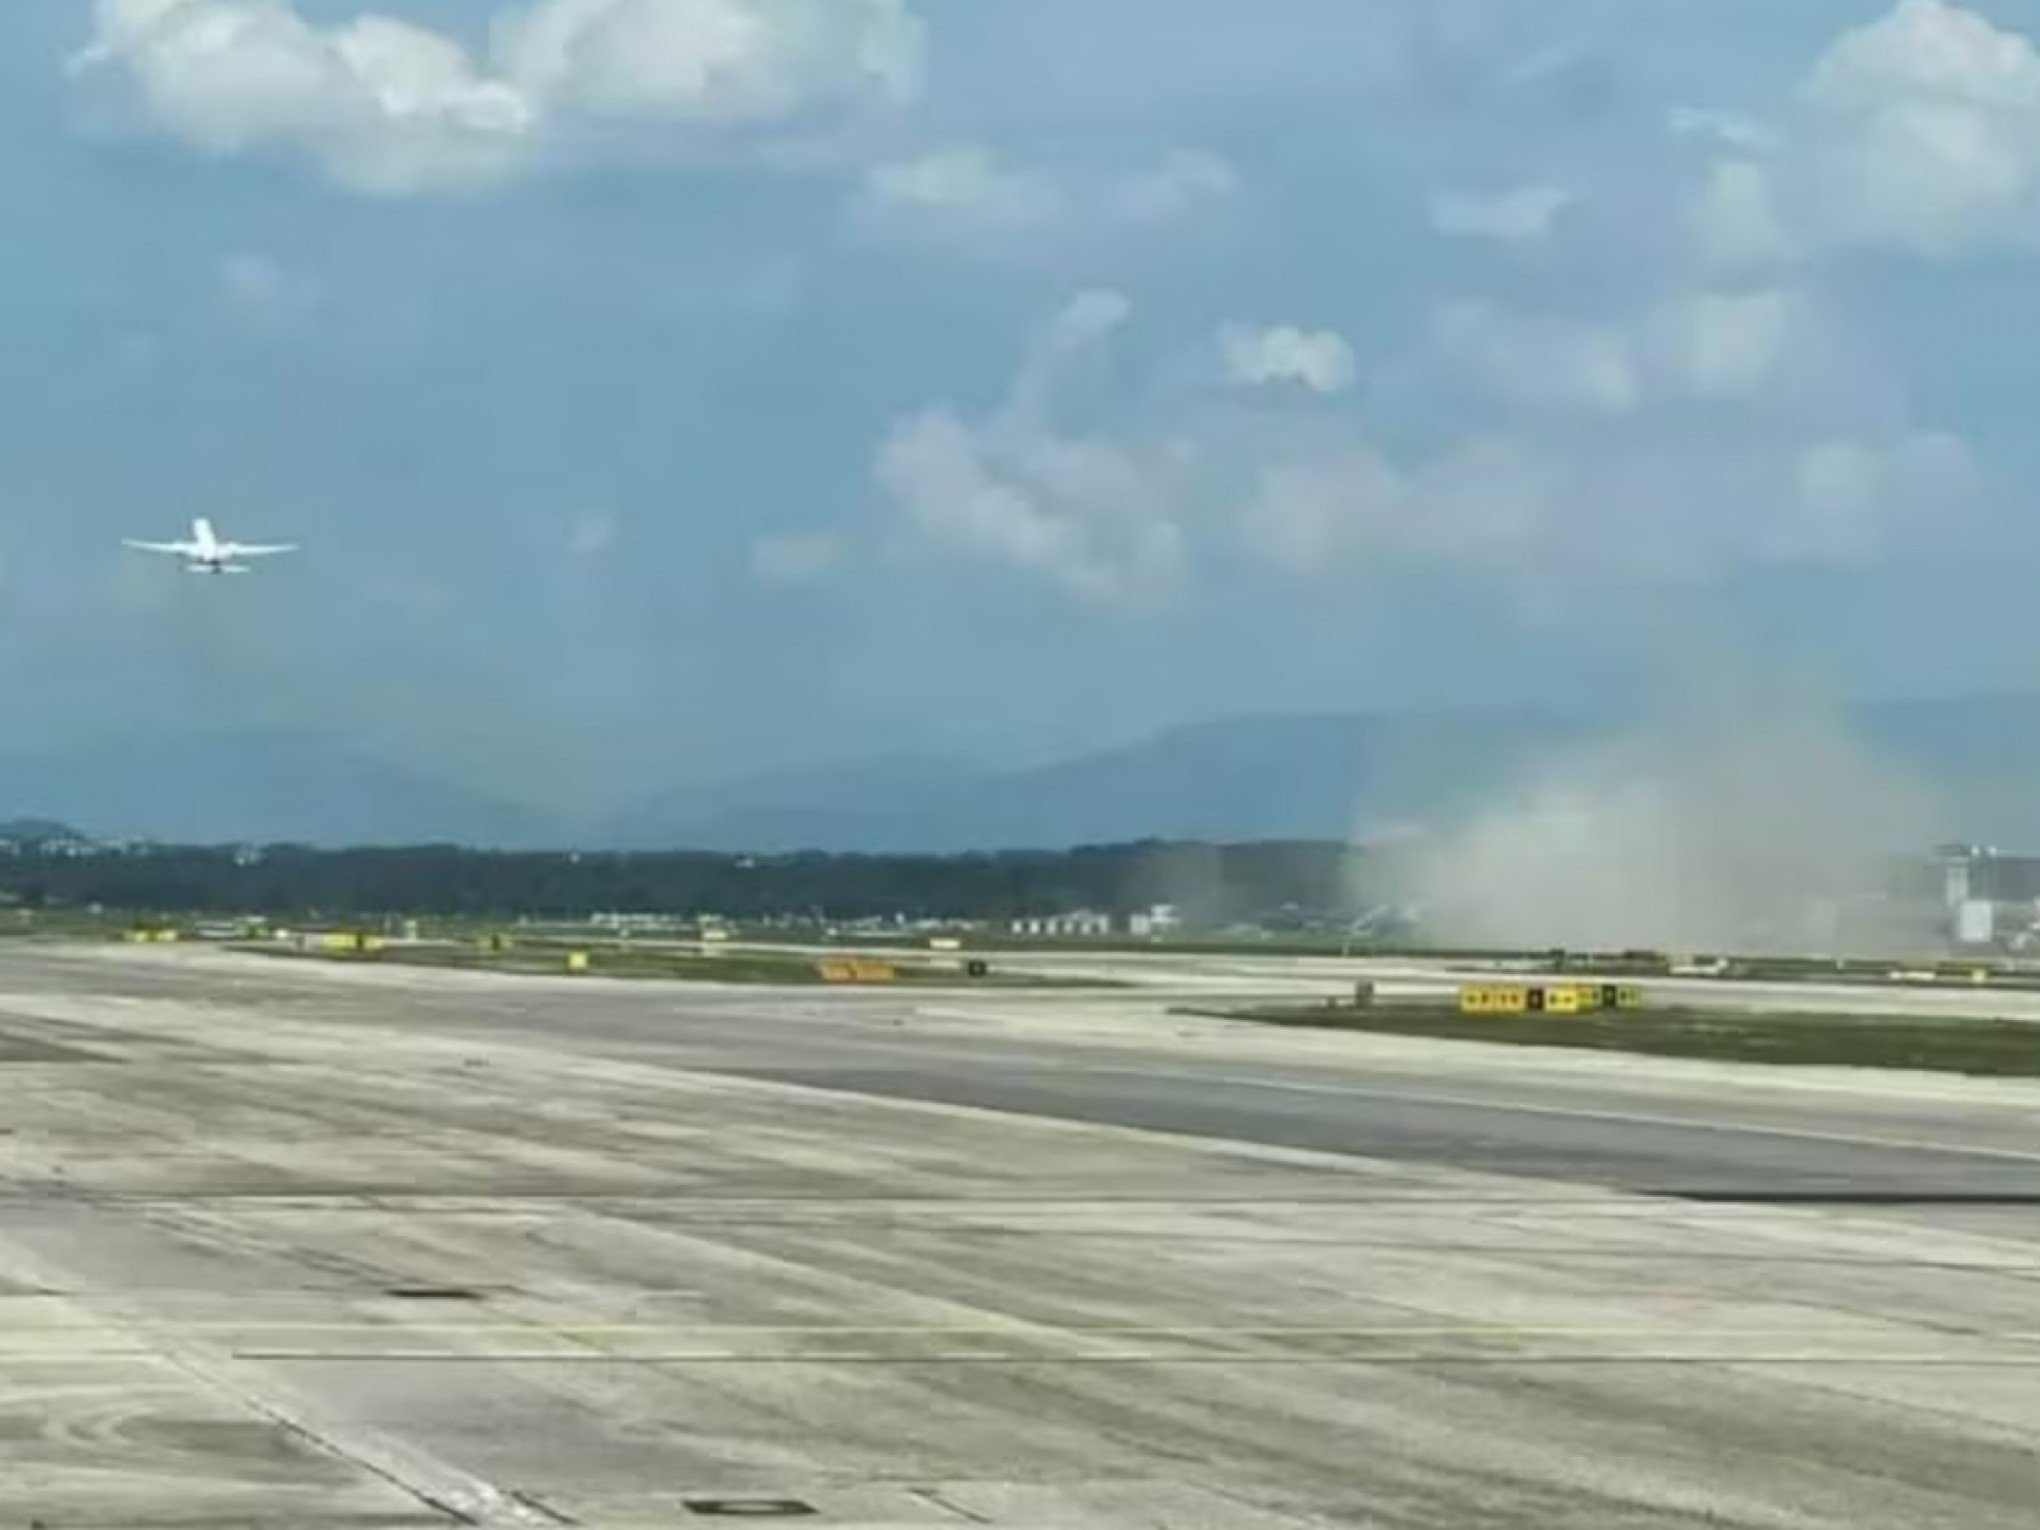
670 388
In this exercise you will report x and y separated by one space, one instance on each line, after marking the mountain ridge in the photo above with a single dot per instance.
1322 776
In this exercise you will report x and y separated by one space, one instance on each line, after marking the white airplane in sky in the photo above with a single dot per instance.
205 553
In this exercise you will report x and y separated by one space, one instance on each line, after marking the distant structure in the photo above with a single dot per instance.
1989 898
1082 923
1155 922
1088 924
40 836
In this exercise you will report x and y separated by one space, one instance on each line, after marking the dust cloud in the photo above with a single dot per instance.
1754 827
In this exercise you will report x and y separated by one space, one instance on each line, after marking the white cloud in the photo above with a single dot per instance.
969 195
799 557
1729 129
1181 185
969 186
1545 519
1623 371
1666 442
1736 218
1840 478
1549 457
1313 517
1481 504
719 62
1922 130
1917 131
1537 362
1086 514
1727 345
1319 360
1520 216
1851 494
385 106
1091 515
1079 326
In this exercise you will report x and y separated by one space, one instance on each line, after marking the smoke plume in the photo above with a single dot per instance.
1749 829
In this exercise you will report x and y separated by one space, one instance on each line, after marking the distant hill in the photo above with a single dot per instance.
1253 778
265 786
1323 777
1237 779
28 833
871 803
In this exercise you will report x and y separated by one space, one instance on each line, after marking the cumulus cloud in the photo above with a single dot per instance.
970 195
1924 130
1727 129
1544 519
1519 216
1625 370
1086 514
1318 360
1537 362
1918 130
798 557
1090 514
1726 345
1849 492
385 106
1184 183
967 185
1736 218
1668 442
1327 514
719 62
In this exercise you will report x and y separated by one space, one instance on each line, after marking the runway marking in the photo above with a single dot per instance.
1015 1328
1997 1362
1018 1329
768 1078
1629 1118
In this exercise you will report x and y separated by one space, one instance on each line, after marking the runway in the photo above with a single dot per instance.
328 1246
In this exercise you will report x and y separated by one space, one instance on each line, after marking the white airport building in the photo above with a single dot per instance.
1088 924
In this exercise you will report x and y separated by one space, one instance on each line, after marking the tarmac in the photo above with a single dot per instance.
302 1245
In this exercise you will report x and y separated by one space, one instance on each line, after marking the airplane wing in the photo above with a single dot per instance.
255 549
181 549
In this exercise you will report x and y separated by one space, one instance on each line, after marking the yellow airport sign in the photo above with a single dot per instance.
1493 998
1547 998
850 970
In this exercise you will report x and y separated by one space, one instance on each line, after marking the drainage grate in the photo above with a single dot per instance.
750 1508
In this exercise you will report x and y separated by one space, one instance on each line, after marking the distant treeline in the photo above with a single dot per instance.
1210 884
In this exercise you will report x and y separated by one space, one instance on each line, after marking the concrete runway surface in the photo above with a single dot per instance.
320 1246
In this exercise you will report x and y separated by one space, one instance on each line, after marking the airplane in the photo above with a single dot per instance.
205 553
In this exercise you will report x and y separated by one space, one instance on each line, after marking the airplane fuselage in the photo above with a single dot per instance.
206 553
